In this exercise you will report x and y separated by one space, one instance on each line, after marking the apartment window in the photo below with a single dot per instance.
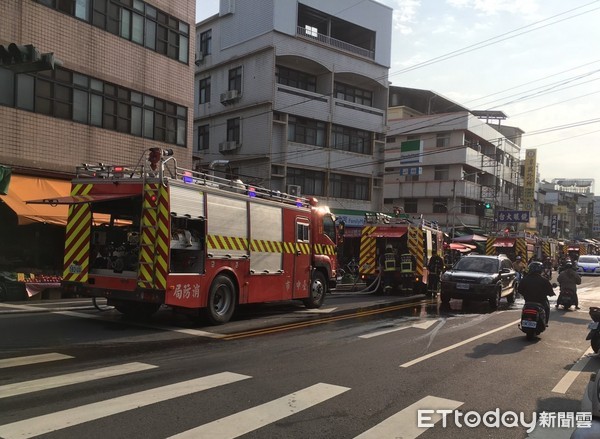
70 95
296 79
440 205
353 94
204 90
233 130
351 139
311 182
206 42
133 20
411 205
307 131
349 186
235 79
203 137
442 140
441 172
311 31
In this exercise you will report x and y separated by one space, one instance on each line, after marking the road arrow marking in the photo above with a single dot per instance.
426 324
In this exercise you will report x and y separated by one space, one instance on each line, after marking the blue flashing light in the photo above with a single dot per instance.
251 192
187 177
298 202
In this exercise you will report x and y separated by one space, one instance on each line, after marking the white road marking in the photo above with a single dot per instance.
71 378
249 420
90 412
404 423
188 331
456 345
317 311
32 359
423 325
566 381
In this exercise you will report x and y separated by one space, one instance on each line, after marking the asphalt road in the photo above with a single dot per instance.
363 366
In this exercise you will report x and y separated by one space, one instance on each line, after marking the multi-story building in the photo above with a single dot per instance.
447 163
571 201
126 83
292 95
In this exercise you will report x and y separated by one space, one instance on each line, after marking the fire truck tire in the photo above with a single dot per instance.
318 288
221 300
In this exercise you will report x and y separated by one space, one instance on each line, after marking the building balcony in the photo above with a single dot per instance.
312 35
301 102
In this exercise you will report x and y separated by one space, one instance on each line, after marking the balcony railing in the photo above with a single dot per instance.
325 39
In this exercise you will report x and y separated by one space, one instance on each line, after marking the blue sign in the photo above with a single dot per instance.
411 170
512 216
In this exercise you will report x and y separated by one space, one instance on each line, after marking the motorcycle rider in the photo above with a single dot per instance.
519 266
568 279
536 288
547 267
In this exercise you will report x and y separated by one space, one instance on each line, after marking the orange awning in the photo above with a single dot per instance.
80 199
23 188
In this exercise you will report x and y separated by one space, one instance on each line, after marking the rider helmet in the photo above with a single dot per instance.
535 267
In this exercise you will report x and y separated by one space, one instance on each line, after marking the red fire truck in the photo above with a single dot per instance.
156 234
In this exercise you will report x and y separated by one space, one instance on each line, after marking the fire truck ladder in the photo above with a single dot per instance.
148 235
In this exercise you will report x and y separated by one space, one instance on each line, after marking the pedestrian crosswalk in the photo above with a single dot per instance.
231 425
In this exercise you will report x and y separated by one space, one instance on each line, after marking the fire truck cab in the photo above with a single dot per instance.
156 234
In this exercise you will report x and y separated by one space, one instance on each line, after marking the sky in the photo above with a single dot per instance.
538 61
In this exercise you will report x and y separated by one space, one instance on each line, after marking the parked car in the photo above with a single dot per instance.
479 277
588 264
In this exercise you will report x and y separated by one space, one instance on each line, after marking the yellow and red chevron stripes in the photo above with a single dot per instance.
147 237
367 260
163 239
415 247
521 248
489 246
77 238
546 249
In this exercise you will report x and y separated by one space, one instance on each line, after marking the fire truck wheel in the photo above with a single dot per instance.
221 300
318 288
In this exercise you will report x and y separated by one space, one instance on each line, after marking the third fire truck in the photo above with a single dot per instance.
156 234
418 238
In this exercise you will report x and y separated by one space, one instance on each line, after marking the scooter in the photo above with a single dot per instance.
547 273
533 319
566 298
594 327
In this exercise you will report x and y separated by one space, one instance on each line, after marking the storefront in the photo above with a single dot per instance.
31 237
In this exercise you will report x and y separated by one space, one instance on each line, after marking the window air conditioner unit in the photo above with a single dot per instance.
228 146
294 190
229 96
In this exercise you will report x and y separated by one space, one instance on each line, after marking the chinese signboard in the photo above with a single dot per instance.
554 224
527 199
513 216
411 170
411 151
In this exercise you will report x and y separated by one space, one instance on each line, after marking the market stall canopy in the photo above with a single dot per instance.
460 247
23 188
470 238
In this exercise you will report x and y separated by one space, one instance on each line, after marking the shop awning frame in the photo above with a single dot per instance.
80 199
